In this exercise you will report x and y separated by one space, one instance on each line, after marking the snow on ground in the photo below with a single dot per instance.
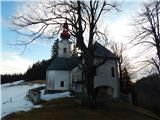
14 97
47 97
12 83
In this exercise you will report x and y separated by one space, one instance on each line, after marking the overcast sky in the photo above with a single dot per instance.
13 61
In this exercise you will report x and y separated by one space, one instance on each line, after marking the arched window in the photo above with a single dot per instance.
112 72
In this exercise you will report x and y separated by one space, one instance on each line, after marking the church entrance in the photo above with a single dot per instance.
104 92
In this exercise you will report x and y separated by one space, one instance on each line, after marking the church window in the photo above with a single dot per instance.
64 50
72 77
112 71
95 72
62 84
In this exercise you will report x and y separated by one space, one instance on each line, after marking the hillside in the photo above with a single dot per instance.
14 96
35 72
67 109
146 93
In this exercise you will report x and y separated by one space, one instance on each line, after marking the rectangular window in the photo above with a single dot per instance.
112 71
62 84
95 72
64 50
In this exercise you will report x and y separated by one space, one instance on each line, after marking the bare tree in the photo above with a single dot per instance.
119 50
153 64
148 31
124 67
82 17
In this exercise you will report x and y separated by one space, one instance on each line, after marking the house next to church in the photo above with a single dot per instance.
66 73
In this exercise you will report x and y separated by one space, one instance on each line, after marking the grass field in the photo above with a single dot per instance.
67 109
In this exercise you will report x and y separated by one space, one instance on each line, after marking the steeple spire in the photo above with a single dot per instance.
65 34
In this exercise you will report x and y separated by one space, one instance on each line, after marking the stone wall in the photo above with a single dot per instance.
35 95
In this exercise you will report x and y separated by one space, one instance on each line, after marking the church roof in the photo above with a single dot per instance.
67 64
101 51
61 63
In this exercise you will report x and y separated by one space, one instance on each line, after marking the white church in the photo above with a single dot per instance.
65 71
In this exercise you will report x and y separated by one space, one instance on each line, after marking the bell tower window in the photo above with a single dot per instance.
64 50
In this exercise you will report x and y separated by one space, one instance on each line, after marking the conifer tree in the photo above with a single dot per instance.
125 83
54 50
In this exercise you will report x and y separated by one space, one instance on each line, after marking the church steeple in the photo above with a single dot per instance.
64 46
65 34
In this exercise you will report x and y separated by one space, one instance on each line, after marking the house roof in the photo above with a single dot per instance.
61 63
101 51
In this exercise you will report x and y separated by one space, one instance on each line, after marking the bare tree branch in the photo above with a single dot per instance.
148 30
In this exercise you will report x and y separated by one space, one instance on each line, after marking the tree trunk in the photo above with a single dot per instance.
89 76
158 53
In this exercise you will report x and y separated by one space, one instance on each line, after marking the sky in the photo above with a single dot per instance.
14 60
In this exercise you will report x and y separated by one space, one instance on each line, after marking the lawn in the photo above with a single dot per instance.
68 109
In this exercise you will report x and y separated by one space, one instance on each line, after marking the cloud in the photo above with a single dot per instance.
11 62
138 1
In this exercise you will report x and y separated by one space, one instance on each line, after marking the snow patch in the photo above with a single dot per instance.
47 97
12 83
14 97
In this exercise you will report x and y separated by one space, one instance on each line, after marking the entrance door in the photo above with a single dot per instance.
104 92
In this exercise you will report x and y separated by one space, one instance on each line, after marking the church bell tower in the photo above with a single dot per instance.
64 46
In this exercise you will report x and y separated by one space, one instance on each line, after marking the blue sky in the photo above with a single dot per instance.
15 62
33 52
10 37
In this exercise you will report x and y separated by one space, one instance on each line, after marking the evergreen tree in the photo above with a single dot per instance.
6 78
125 82
54 49
125 75
37 71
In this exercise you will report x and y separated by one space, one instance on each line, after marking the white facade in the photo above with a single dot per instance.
105 76
76 76
57 80
64 48
105 79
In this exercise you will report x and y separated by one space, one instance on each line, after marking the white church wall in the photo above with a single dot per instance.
54 79
50 79
61 76
76 76
104 76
